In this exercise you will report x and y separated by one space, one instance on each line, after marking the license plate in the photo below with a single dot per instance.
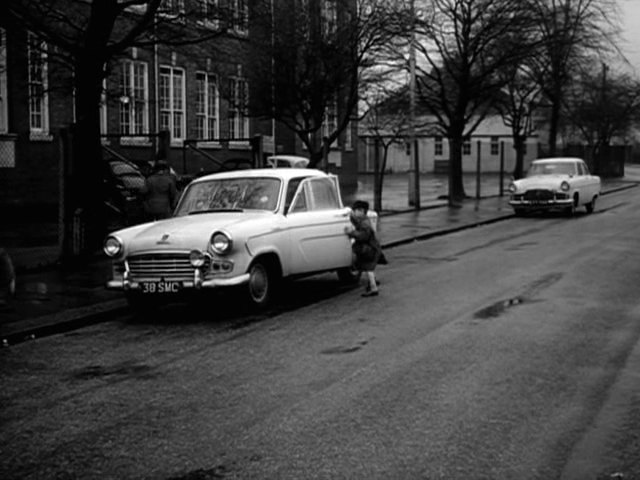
160 287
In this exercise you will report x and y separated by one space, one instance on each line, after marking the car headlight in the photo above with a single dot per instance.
221 242
564 186
112 246
197 258
513 188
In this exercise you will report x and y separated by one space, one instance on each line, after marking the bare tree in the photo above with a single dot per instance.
312 73
571 31
86 36
603 106
463 46
521 96
387 122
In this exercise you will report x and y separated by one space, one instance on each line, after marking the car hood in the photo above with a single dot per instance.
188 232
541 181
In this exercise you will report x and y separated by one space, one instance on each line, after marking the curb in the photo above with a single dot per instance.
63 321
445 231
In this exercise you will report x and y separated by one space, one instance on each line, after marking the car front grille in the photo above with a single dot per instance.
538 195
169 267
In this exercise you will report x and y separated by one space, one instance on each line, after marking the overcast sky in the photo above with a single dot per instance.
630 15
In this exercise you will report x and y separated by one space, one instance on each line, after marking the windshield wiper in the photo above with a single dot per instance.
215 210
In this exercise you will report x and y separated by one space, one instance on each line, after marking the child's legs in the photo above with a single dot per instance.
371 280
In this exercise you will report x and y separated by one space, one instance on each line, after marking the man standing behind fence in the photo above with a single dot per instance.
159 193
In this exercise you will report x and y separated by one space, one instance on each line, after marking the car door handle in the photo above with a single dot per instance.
342 215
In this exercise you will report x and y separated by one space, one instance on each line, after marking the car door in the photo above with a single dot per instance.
316 222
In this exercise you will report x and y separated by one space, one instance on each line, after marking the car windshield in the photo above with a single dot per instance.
551 168
243 193
132 182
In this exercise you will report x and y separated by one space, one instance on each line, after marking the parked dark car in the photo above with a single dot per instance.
124 183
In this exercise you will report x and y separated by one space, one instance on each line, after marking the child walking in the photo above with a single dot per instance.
366 246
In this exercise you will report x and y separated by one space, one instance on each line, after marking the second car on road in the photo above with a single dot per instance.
555 184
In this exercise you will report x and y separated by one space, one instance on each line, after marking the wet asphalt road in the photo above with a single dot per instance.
506 351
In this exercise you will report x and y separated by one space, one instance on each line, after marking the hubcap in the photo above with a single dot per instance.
258 283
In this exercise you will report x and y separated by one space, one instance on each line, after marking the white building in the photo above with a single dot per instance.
485 146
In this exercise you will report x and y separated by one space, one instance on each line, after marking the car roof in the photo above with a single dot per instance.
287 157
558 160
281 173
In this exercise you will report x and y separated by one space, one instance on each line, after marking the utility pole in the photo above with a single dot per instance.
414 174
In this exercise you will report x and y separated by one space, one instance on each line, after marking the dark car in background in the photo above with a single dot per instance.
124 182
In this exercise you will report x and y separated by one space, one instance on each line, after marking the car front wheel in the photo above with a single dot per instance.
570 211
262 284
591 206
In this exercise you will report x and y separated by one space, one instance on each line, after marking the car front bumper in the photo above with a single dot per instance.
541 204
198 283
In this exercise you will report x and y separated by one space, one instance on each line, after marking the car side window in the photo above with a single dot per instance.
292 187
300 200
324 196
315 194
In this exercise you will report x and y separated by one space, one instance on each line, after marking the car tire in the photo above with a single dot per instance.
591 206
262 284
570 211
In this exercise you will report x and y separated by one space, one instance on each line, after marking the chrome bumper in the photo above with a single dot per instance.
538 204
196 284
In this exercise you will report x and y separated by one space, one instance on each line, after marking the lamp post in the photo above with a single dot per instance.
414 173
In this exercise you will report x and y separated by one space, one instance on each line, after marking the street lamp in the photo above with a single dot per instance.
414 173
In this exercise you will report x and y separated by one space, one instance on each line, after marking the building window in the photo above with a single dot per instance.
172 101
4 113
240 13
330 124
174 8
207 106
239 96
134 98
329 16
348 137
209 12
38 97
466 147
437 147
495 145
103 109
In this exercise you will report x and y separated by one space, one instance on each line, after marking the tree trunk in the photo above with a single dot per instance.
456 185
377 191
518 145
383 167
554 123
88 168
315 150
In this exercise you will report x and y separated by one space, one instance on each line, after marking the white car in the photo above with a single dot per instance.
248 228
555 184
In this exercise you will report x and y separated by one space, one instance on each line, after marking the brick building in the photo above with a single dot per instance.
195 92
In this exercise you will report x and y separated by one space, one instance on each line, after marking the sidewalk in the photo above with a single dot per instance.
55 300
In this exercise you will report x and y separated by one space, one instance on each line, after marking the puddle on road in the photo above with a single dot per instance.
497 308
340 349
204 474
530 291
